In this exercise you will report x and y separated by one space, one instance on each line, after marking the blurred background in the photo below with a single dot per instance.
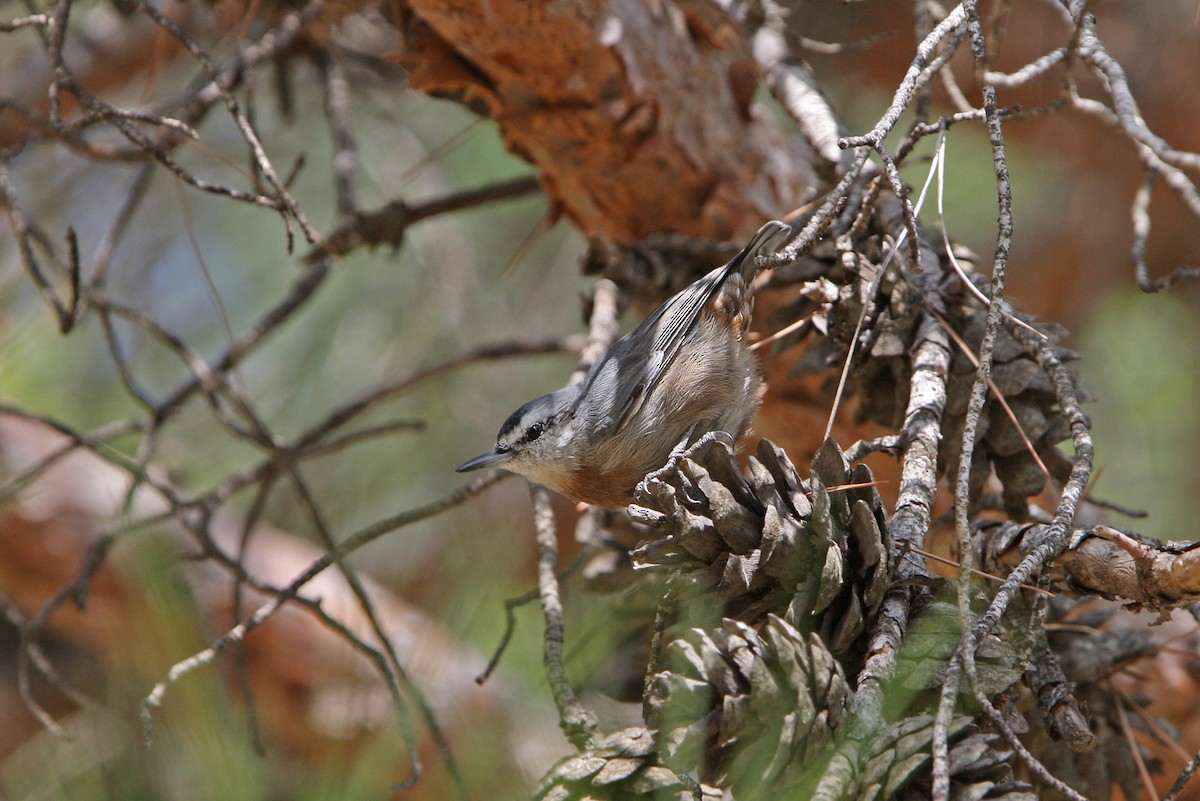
206 269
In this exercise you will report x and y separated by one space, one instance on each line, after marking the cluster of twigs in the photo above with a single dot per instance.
863 266
75 288
933 53
930 278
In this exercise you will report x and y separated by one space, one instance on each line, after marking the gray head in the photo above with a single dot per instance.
534 438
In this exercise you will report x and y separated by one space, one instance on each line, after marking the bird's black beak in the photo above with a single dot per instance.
489 459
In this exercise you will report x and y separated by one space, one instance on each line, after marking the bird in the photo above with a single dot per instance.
683 376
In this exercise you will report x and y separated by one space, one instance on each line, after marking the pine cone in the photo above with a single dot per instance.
747 710
622 766
815 550
980 765
1029 395
835 306
755 713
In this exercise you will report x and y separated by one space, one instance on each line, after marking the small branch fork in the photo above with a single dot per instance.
1122 113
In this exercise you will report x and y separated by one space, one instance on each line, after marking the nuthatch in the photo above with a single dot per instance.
683 373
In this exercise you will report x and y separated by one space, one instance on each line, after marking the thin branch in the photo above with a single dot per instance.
153 700
1185 777
578 723
345 155
510 618
1141 233
1135 751
913 78
389 224
1030 761
26 234
1055 538
261 160
910 524
396 671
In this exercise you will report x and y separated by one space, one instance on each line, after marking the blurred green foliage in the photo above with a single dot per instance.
1142 364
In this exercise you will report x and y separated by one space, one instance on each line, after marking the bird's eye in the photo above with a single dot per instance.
533 432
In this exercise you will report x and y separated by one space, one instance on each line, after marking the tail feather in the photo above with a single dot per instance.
769 239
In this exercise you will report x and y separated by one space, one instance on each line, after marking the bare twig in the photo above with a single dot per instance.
261 160
910 524
1184 778
1135 751
345 156
913 79
578 723
510 618
389 224
153 701
1141 233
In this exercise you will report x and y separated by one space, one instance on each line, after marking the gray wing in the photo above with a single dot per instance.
630 370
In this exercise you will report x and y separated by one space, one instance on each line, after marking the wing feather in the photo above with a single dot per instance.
632 370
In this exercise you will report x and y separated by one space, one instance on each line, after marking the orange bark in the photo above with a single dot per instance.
635 117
